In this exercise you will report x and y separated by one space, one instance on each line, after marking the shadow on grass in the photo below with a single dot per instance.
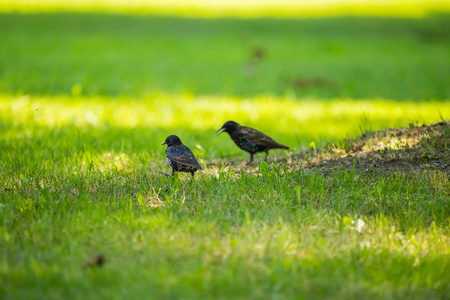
101 54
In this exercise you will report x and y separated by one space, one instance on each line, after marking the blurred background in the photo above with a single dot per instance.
125 74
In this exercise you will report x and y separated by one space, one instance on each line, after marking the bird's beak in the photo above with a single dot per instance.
220 131
163 143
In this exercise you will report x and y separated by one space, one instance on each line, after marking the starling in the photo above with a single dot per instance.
249 139
180 157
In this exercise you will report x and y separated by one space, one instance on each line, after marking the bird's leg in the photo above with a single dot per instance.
251 159
267 153
192 173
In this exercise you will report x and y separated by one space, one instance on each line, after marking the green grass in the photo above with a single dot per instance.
359 58
86 101
271 234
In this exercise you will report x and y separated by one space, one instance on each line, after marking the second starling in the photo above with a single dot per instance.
180 157
249 139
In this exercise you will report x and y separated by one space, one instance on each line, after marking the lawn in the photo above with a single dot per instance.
86 99
111 55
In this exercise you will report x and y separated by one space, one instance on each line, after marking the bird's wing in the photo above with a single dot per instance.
183 155
260 138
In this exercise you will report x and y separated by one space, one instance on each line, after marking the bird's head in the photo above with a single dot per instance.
172 140
229 127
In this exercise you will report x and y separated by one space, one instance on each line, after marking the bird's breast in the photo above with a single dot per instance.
245 144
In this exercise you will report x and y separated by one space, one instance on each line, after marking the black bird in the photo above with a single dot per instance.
249 139
180 157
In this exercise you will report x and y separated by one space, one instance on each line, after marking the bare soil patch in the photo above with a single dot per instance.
409 149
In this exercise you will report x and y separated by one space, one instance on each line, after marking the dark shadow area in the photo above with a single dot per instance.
101 54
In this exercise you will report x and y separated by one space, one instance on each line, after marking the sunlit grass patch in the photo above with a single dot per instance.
125 134
304 120
248 9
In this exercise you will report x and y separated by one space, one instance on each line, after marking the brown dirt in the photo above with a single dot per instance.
392 150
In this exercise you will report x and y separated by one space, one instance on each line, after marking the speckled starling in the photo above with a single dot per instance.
249 139
180 157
